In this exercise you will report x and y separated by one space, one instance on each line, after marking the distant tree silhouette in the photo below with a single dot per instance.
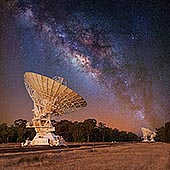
160 134
88 126
163 133
102 129
86 131
3 133
63 128
167 131
20 125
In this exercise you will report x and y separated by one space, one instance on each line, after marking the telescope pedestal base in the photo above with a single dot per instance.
49 139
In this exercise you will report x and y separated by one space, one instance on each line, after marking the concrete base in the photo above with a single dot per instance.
49 139
145 140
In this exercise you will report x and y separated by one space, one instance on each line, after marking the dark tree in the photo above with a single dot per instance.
163 133
63 128
3 133
88 126
20 124
102 129
160 134
167 131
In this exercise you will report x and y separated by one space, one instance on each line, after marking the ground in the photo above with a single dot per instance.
120 156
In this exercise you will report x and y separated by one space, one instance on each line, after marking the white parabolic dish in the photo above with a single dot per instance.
51 98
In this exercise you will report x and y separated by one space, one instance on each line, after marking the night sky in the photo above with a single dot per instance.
115 53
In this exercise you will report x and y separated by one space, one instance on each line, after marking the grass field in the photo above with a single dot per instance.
129 156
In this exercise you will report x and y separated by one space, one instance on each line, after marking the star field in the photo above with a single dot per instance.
114 53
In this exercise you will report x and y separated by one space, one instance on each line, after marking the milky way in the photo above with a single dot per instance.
115 54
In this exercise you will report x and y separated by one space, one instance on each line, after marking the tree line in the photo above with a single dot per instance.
163 133
87 131
91 131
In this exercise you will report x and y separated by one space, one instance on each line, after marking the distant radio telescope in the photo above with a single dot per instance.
51 98
148 133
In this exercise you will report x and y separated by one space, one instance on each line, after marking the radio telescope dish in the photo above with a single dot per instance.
147 132
51 97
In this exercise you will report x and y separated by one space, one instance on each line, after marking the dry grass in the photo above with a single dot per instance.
137 156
